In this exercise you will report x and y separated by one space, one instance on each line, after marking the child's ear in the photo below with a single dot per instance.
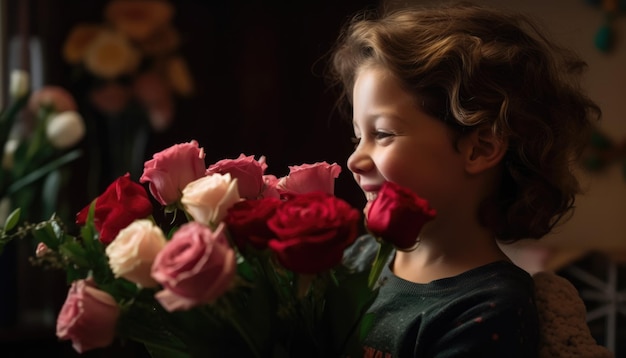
483 150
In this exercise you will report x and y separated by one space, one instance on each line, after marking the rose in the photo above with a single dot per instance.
41 250
139 19
8 157
247 222
122 202
195 267
312 231
57 97
247 171
208 199
98 60
170 170
65 129
307 178
397 215
88 317
19 84
133 251
269 189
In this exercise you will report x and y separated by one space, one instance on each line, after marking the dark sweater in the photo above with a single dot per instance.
488 311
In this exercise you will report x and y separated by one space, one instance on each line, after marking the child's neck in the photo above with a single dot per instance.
432 261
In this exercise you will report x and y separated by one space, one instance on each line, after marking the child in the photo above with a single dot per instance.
479 113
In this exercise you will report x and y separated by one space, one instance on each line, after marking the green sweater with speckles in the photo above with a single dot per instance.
486 312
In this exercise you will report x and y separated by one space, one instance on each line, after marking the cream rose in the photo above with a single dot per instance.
65 129
133 251
208 199
9 151
20 83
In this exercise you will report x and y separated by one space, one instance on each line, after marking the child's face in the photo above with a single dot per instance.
400 143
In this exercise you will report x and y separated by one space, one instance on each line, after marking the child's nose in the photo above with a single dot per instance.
360 162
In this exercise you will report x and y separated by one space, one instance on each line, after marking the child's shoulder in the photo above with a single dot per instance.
501 279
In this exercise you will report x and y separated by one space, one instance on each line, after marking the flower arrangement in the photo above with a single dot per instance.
132 54
243 264
38 133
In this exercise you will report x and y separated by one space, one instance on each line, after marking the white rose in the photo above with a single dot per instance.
20 83
133 251
9 152
65 129
208 199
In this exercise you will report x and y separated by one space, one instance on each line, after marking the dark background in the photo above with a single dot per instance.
258 71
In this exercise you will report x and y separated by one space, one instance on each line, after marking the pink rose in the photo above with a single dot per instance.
312 231
247 170
397 215
195 267
270 190
55 96
170 170
308 178
41 250
88 317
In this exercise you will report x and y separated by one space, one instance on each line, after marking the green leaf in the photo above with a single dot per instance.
366 324
43 170
50 191
12 220
45 232
164 352
88 232
345 309
7 119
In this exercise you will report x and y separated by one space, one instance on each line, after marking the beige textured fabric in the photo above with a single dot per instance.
564 330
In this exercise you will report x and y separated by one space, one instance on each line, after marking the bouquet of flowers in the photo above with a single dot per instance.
243 263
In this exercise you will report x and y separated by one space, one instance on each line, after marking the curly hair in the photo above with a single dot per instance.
472 66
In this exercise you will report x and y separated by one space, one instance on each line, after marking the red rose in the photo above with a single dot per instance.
312 231
397 215
120 204
247 222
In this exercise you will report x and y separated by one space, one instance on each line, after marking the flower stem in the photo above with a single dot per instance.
238 327
384 250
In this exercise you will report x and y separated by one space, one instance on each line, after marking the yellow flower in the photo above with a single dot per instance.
78 41
111 54
139 19
179 76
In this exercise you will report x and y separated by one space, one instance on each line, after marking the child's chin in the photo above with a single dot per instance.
367 208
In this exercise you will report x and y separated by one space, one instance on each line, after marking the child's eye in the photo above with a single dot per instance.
355 141
382 135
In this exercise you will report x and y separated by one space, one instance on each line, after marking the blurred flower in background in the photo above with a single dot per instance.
129 77
38 135
132 55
